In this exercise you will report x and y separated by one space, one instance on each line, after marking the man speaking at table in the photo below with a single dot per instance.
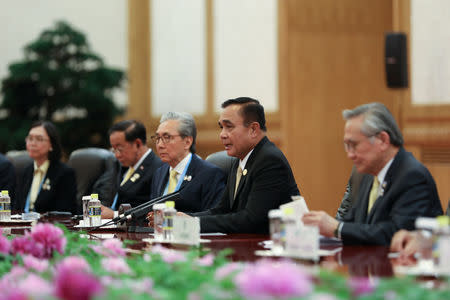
259 181
395 190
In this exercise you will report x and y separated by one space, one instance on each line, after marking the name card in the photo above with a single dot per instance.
299 207
444 255
186 230
302 241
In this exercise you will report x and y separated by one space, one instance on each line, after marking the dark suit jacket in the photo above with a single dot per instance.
59 196
409 192
202 192
138 190
269 182
7 176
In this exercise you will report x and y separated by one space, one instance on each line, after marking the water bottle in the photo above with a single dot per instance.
5 206
158 221
275 226
168 213
95 211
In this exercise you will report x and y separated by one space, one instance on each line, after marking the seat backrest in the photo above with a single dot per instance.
20 159
96 171
222 160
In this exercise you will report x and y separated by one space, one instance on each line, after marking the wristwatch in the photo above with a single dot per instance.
336 231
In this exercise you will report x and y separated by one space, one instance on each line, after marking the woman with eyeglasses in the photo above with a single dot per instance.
47 183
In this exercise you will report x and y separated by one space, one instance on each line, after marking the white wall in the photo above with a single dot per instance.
430 51
245 51
178 62
103 21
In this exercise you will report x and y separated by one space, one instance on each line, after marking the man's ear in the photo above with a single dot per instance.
138 143
384 138
255 129
189 140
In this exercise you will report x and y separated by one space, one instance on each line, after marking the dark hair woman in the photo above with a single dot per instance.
47 184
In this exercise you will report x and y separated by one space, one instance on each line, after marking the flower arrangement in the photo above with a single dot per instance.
51 262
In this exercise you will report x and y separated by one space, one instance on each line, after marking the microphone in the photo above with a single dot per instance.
138 213
142 209
128 212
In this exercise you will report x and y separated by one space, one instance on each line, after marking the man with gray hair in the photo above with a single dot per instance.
200 183
395 188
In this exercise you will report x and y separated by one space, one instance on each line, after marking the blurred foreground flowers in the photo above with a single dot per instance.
50 262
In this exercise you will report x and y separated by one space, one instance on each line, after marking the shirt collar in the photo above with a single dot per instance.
382 174
136 166
243 162
43 167
182 164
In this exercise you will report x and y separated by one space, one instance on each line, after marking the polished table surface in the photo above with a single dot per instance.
351 260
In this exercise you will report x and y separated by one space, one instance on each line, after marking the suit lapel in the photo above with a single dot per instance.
246 171
48 180
387 182
190 173
232 184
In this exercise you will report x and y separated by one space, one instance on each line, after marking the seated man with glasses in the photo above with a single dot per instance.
128 141
200 183
395 188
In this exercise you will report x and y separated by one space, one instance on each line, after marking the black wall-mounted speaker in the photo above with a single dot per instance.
396 60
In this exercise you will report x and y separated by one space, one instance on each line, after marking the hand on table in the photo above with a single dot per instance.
321 219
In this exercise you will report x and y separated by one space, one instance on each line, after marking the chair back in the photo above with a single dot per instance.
96 171
20 159
222 160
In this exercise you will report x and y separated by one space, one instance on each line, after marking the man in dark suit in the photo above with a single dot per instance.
7 176
395 190
128 140
265 177
200 183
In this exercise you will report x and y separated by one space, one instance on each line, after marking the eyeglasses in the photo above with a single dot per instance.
35 138
121 148
166 138
351 146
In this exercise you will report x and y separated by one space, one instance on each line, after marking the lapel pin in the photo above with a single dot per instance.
135 177
383 186
244 172
188 177
46 186
141 167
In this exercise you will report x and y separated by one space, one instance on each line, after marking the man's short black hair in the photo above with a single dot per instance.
132 129
251 110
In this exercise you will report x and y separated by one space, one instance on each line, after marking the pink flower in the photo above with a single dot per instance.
41 242
35 286
226 270
110 248
50 237
22 245
169 255
5 245
76 285
73 263
362 285
269 278
206 260
18 284
116 265
31 262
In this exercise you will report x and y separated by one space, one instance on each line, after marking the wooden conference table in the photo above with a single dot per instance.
351 260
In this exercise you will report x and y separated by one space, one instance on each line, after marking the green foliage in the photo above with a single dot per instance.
62 80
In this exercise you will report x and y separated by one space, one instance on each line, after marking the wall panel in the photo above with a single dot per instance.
333 60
